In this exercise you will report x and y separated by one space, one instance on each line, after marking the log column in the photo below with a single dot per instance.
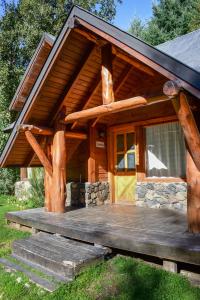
48 179
23 174
59 160
192 138
106 74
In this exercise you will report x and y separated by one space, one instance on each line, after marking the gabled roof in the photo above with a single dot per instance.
32 71
135 49
185 48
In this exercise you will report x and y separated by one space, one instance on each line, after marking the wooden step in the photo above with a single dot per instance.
63 257
46 284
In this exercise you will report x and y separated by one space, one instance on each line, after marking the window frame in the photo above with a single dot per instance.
156 179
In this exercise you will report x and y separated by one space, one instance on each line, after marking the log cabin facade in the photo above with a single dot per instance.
114 116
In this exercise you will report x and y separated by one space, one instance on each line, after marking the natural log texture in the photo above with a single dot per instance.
172 88
106 109
48 182
91 159
39 152
192 138
193 195
76 135
189 126
106 74
23 174
118 85
35 129
138 65
59 170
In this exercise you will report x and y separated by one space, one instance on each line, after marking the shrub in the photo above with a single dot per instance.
37 187
8 177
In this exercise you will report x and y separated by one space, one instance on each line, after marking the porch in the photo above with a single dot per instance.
160 233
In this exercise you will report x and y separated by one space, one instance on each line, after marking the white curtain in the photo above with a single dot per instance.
165 150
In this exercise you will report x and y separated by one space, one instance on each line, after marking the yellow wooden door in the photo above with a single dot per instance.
125 166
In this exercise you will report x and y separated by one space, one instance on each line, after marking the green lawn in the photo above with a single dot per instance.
119 278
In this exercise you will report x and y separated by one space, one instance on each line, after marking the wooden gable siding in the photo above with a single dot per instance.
69 70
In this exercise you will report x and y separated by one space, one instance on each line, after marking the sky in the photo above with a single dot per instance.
130 9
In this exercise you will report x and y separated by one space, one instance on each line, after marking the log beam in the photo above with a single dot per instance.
36 129
76 135
39 152
172 88
104 110
106 74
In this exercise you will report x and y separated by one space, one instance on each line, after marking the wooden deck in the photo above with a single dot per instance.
161 233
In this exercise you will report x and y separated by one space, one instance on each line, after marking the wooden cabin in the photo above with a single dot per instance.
111 119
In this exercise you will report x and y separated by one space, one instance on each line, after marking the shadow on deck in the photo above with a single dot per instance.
160 233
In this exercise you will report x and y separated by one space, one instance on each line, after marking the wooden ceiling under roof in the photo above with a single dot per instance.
74 82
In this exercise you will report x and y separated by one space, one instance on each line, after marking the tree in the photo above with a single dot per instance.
171 18
21 27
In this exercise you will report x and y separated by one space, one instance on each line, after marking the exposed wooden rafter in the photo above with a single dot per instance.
91 51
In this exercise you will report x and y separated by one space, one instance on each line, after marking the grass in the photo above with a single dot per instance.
121 278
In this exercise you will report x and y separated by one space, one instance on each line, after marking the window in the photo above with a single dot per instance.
125 152
165 151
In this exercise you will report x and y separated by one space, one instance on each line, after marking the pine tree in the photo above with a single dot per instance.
171 18
22 24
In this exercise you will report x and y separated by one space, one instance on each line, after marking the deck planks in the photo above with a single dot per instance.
161 233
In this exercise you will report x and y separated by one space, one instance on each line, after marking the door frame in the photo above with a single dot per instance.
111 132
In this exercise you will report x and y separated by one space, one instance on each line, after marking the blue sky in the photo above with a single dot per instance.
130 9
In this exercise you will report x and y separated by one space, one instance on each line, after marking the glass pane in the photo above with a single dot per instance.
120 162
120 142
131 161
130 141
165 151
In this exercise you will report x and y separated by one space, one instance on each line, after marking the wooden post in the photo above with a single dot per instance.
59 170
48 181
193 195
192 137
23 174
106 74
91 159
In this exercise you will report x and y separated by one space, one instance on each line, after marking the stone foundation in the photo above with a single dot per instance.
23 190
87 194
162 195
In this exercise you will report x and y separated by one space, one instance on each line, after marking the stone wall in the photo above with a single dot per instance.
87 194
162 195
23 190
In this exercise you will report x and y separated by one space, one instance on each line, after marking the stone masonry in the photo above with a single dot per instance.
87 194
23 190
162 195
